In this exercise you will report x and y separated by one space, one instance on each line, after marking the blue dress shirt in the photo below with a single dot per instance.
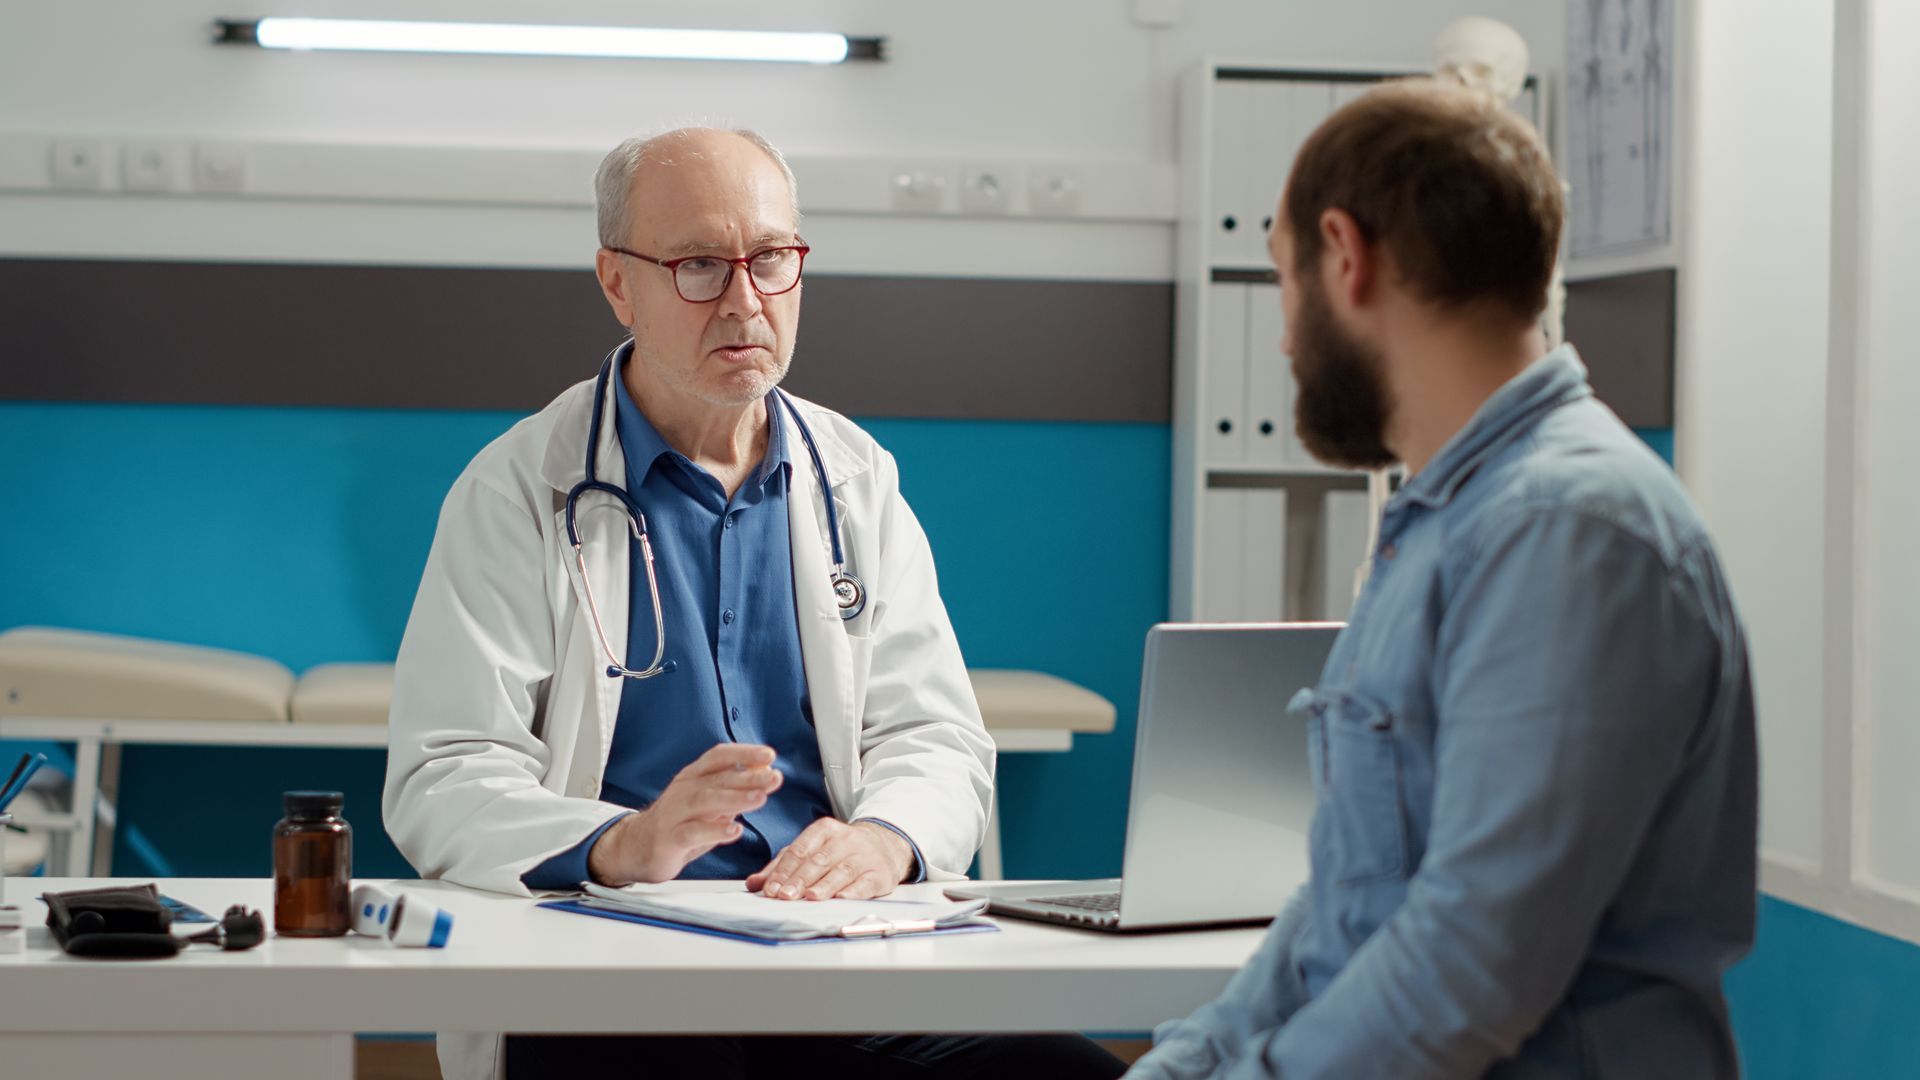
1536 782
725 568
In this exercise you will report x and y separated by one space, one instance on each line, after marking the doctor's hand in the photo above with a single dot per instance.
832 858
693 816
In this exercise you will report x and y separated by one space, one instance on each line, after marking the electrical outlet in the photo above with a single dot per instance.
148 166
986 191
919 191
1055 193
220 167
79 163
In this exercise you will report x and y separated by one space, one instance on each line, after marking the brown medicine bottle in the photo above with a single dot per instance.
312 866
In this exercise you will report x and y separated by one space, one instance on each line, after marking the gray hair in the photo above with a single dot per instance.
613 182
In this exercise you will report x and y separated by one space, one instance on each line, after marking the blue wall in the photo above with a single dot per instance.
300 534
1822 998
295 533
1661 439
1051 540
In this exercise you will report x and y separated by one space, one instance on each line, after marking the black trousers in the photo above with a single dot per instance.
843 1057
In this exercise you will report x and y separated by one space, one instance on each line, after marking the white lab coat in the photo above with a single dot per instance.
503 714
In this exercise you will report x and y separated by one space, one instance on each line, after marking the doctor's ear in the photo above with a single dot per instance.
616 283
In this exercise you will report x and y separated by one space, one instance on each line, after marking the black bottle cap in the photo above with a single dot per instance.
312 804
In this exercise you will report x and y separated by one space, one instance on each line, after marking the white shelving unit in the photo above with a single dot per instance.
1260 529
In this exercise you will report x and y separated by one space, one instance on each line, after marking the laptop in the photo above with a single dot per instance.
1222 791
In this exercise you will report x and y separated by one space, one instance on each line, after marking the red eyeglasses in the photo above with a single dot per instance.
702 279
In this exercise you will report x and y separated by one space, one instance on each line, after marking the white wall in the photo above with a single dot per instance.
1074 79
1797 387
1750 430
994 77
1888 443
992 80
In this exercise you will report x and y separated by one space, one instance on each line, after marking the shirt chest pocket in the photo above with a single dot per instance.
1359 823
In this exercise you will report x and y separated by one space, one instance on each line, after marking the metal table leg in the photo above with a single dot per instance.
104 809
990 868
77 858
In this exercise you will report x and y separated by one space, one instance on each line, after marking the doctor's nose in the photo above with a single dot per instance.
739 300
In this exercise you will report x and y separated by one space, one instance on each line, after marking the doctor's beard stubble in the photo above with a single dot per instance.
744 387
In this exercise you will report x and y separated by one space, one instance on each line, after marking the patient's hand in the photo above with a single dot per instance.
832 858
693 816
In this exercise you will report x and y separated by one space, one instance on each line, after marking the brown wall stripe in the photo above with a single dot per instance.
1624 328
465 338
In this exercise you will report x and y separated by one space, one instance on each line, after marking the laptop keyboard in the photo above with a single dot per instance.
1094 902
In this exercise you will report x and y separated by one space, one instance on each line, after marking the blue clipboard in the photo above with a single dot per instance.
981 926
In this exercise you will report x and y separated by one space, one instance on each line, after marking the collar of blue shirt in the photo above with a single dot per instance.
1547 383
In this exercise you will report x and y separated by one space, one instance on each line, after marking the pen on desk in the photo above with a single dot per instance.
29 764
15 774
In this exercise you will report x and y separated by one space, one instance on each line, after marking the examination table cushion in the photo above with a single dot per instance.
1028 700
344 694
46 672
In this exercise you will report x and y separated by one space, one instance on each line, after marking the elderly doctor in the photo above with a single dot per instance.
682 624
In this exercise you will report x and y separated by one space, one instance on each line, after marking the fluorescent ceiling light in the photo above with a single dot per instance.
379 35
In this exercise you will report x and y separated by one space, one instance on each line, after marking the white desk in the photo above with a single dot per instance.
289 1008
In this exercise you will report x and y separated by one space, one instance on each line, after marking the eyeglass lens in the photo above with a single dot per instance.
774 271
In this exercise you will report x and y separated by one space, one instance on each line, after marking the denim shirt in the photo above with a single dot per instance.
1535 774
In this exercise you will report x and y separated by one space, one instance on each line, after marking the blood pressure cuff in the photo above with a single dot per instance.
126 921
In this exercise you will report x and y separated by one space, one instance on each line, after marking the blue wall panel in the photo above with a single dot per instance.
1661 439
1051 539
295 533
1822 998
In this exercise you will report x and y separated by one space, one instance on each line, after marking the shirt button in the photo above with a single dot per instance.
1388 551
734 713
729 521
727 616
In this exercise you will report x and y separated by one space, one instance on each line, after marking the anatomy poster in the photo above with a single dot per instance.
1619 114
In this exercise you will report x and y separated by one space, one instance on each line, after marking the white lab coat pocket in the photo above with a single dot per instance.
862 638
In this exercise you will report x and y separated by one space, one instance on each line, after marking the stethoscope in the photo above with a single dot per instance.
848 593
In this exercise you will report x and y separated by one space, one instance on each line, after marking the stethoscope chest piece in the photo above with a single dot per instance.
849 594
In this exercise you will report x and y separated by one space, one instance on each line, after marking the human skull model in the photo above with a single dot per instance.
1482 53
